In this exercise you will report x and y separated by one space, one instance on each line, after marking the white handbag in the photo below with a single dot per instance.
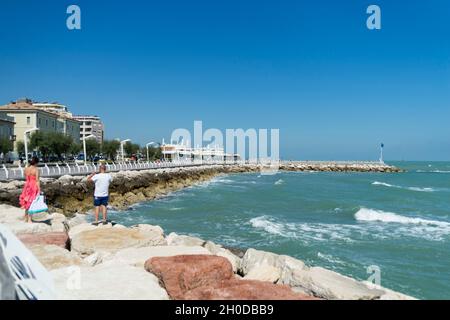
38 209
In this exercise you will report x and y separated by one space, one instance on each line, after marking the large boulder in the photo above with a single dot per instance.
328 284
257 258
264 273
180 274
107 282
60 239
55 257
138 256
222 252
114 239
174 239
76 220
258 263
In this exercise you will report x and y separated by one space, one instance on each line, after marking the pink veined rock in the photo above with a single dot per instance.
208 277
60 239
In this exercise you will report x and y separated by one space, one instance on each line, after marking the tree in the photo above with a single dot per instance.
40 142
131 148
153 153
20 145
92 148
51 143
6 146
75 148
59 143
110 148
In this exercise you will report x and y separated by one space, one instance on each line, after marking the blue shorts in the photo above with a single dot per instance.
101 201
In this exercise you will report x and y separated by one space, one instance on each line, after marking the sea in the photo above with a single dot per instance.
391 227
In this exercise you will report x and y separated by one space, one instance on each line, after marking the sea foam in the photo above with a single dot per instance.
372 215
419 189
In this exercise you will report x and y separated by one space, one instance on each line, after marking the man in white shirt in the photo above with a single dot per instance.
102 181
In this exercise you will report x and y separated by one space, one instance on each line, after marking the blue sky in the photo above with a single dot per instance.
310 68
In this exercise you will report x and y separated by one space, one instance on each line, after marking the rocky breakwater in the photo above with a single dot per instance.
337 166
141 262
71 194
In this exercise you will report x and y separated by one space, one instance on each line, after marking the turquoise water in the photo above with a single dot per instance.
342 221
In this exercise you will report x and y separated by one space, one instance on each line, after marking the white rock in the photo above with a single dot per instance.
78 228
107 282
222 252
55 257
113 239
264 273
328 284
77 220
14 218
256 258
96 258
174 239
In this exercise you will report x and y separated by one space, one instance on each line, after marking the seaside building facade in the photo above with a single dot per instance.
91 125
26 115
175 152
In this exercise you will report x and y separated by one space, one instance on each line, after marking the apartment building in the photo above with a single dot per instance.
91 125
28 116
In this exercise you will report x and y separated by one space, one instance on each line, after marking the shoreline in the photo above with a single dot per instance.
128 251
118 262
73 194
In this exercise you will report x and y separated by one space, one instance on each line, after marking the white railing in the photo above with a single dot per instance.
57 170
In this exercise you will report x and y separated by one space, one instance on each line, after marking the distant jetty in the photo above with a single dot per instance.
338 166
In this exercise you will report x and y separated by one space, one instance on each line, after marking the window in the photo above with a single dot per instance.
46 122
39 121
28 120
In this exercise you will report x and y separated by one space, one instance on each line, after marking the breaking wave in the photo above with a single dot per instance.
372 215
384 184
432 171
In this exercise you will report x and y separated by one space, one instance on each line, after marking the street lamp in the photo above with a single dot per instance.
121 148
147 145
84 146
25 140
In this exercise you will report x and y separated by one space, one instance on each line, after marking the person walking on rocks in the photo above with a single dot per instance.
102 181
31 188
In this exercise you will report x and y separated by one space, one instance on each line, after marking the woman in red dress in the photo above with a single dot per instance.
32 187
